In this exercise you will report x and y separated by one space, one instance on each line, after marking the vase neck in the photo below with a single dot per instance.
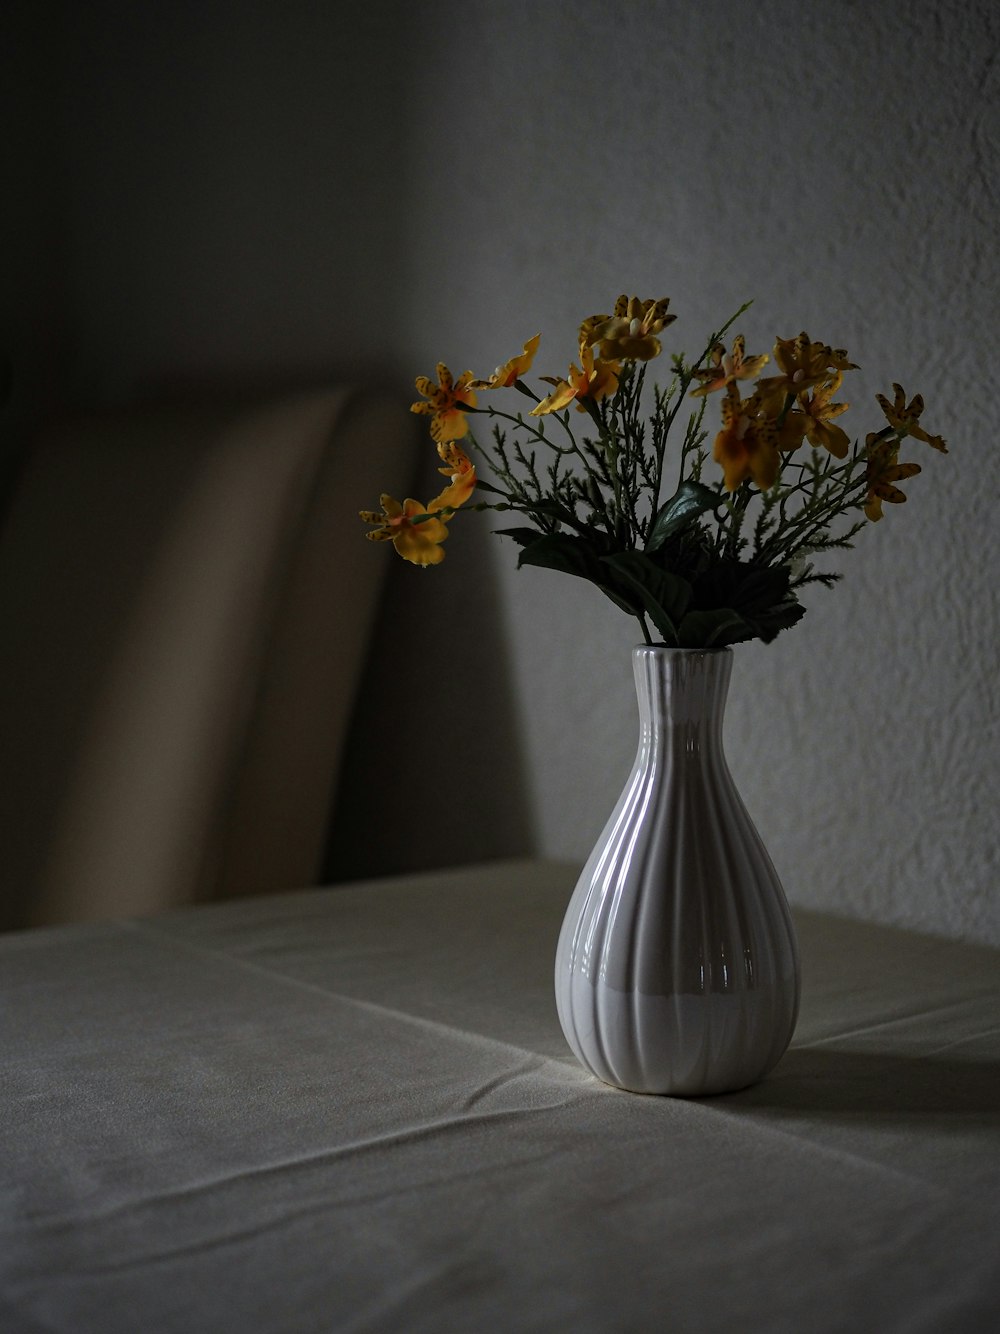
682 693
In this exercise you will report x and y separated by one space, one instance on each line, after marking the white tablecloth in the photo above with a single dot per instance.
353 1110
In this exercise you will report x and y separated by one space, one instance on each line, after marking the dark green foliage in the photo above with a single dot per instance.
690 500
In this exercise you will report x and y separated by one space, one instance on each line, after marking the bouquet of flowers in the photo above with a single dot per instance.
707 557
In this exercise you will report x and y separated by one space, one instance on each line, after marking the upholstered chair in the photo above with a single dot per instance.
186 605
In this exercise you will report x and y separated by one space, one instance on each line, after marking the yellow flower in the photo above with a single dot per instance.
446 403
803 364
725 369
458 467
511 371
628 334
819 411
419 543
747 445
792 430
903 418
592 379
882 471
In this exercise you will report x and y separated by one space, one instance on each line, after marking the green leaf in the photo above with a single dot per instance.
633 606
560 551
664 596
759 587
522 536
683 507
575 555
552 507
759 594
768 624
713 629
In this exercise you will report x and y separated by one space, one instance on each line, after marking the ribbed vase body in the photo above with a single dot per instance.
677 967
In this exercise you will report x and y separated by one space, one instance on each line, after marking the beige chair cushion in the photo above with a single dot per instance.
187 597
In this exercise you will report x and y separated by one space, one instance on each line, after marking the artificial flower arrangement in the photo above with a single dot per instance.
705 560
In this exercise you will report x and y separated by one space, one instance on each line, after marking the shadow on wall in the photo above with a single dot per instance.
433 771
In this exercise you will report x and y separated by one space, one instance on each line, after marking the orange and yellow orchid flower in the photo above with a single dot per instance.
417 542
446 403
882 472
511 371
803 364
592 379
747 445
725 367
630 333
458 467
819 411
415 530
903 417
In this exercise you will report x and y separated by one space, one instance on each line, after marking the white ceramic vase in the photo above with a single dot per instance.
677 967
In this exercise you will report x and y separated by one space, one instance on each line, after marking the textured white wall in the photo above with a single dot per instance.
837 164
242 190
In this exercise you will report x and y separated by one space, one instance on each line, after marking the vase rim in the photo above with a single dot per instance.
670 648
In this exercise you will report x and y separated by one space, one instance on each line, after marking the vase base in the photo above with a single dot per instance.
685 1046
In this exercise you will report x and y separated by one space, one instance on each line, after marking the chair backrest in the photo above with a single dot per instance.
186 602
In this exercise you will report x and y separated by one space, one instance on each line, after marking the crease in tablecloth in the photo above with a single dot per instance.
279 1219
804 1134
428 1290
568 1063
404 1136
832 1153
962 1042
967 1005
